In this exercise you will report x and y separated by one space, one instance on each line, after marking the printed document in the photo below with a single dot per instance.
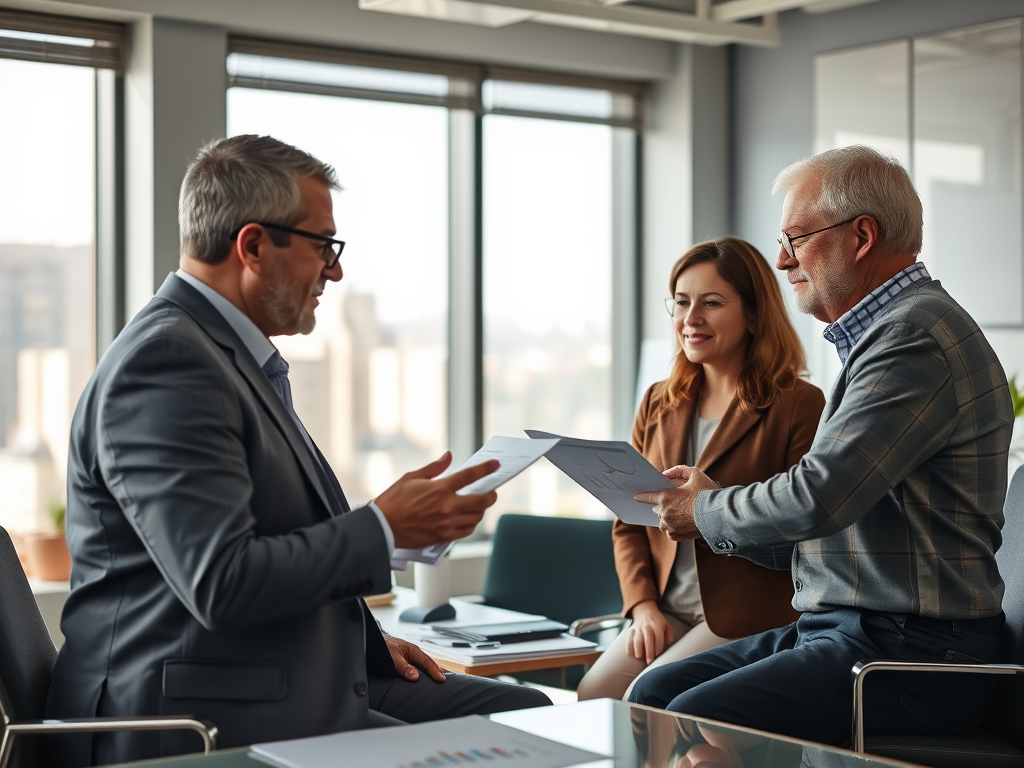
612 471
514 453
460 741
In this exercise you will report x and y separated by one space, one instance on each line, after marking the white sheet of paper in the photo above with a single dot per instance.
610 470
564 644
460 741
514 453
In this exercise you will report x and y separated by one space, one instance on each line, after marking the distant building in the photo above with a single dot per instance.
46 357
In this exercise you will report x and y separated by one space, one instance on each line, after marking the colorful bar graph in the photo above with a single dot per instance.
482 756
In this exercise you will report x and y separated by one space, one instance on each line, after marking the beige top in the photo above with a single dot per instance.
682 595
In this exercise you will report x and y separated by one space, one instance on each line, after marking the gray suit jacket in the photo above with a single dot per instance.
216 572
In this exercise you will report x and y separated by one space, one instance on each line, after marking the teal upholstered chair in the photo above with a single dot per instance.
562 568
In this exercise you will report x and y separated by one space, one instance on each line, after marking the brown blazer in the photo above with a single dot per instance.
739 597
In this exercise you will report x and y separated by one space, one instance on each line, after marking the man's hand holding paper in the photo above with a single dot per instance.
675 507
423 510
473 486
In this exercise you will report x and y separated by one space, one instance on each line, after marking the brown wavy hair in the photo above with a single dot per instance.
775 357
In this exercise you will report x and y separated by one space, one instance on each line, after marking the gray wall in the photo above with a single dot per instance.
773 110
685 171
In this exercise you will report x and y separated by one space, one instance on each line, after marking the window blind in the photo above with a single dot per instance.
61 40
260 63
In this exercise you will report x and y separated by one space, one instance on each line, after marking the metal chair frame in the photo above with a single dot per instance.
12 728
862 668
596 624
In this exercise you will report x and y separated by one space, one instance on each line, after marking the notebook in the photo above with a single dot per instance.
516 632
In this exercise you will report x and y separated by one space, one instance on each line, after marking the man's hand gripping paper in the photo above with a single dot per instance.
675 508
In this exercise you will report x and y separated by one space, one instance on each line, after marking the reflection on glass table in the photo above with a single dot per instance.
641 737
638 737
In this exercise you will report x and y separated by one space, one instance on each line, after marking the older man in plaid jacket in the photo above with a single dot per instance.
892 519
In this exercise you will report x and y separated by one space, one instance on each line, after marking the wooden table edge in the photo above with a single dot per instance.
490 668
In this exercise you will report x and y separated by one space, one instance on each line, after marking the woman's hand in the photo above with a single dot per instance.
650 633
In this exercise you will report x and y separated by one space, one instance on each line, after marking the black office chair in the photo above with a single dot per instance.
562 568
26 657
999 741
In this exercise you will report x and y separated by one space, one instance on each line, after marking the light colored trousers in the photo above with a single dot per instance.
613 675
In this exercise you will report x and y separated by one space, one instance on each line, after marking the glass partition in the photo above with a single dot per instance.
967 165
847 80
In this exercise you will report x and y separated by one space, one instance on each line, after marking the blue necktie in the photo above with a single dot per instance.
276 369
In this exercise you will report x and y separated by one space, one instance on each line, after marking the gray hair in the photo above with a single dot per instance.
238 180
859 180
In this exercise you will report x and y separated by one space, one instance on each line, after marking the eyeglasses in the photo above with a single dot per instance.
786 241
679 307
330 251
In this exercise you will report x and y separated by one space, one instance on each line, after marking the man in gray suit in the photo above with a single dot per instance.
892 519
218 568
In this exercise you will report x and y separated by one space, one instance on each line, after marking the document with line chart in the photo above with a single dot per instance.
610 470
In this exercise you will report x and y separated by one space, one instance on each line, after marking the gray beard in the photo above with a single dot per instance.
833 286
278 298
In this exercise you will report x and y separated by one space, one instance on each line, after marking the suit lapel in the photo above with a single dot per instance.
675 427
210 320
734 425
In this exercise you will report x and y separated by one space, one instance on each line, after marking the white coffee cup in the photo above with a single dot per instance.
433 583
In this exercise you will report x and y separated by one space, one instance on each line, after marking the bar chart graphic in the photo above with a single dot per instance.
473 742
442 759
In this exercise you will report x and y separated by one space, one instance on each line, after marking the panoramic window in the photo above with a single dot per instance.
48 158
370 382
547 275
480 219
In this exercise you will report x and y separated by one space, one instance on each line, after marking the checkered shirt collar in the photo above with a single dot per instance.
848 329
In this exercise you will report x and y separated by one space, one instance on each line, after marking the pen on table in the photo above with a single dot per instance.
466 644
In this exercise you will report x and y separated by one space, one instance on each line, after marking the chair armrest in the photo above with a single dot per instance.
602 622
862 668
206 730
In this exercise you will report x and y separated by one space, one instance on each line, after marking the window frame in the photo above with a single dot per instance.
106 57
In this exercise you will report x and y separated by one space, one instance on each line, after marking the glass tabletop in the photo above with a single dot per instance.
637 737
640 737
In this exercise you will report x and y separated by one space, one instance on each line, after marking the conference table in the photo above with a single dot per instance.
638 737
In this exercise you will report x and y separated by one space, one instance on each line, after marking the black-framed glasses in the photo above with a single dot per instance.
786 241
330 251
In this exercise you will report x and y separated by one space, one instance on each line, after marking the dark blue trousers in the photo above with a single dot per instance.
796 680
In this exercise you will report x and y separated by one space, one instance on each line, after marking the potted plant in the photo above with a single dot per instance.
48 551
1017 396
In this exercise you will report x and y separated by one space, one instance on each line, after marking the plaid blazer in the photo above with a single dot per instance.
897 507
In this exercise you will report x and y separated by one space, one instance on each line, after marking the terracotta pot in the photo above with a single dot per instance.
49 556
21 547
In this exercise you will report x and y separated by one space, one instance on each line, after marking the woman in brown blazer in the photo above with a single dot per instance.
735 407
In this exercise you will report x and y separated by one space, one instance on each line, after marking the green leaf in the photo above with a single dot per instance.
57 511
1017 396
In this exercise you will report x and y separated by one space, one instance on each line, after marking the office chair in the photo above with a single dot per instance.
999 741
560 567
26 657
